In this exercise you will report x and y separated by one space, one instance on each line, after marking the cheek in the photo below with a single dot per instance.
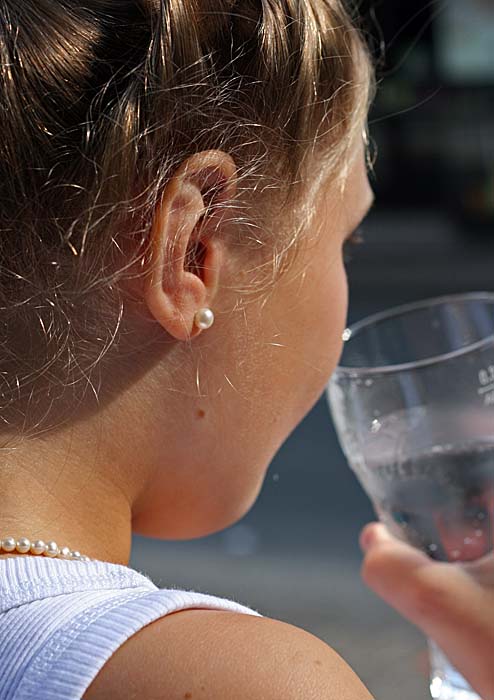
333 314
320 344
343 309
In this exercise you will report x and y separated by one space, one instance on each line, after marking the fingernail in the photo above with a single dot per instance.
369 536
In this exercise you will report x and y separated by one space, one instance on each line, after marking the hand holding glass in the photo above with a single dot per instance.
413 405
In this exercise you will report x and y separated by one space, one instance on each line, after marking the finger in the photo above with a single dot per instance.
394 570
410 581
377 533
481 570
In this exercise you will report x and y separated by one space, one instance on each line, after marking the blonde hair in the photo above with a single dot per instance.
101 101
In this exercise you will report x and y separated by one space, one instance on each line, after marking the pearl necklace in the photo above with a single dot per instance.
49 549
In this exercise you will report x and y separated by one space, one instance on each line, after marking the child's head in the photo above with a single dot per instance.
158 157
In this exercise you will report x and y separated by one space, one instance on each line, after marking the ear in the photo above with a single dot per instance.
185 257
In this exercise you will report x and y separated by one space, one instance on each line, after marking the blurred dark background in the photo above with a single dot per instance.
295 555
432 118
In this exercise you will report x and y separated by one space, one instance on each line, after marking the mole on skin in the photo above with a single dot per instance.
201 413
187 695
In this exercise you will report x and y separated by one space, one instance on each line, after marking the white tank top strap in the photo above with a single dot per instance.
57 632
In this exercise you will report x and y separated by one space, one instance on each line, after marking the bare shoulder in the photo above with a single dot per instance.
209 654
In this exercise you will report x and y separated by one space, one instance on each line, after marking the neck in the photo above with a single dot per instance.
81 521
72 500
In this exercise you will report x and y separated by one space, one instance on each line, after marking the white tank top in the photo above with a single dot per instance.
61 620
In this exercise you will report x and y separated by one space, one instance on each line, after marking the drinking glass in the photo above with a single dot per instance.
413 406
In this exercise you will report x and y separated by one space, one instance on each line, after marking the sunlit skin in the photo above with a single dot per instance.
182 454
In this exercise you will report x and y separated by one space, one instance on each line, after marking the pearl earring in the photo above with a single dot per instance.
204 318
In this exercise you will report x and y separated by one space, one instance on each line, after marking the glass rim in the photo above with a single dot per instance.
352 330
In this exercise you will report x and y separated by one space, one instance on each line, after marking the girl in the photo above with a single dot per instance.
178 179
